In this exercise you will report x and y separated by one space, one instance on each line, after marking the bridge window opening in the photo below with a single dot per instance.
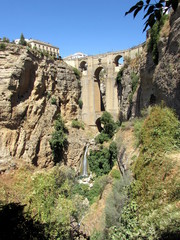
83 66
99 89
119 60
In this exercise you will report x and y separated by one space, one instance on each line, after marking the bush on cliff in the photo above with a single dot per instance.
102 161
108 128
58 141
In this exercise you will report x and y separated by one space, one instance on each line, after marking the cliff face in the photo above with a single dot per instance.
33 91
162 82
156 82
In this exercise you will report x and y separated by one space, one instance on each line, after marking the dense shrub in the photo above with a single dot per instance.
109 127
58 141
98 188
49 201
160 131
102 161
2 46
102 137
115 173
77 124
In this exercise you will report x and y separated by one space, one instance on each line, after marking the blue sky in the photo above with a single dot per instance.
88 26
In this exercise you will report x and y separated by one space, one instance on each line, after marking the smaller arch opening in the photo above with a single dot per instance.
83 66
119 60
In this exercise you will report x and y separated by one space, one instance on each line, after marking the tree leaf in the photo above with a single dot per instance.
131 9
137 5
158 14
150 10
151 20
159 5
137 10
147 24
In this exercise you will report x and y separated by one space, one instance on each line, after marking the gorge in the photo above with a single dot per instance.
133 191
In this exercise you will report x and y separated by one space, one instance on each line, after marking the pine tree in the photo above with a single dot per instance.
22 40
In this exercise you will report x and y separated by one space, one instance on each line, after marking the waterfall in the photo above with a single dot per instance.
85 164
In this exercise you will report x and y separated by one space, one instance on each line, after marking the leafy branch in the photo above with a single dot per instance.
153 11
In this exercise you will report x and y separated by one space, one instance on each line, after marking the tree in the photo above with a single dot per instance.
58 141
22 40
109 126
153 11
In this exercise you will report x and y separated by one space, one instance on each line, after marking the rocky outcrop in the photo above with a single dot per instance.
33 91
157 83
162 82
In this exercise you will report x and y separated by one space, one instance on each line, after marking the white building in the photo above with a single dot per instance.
43 46
75 55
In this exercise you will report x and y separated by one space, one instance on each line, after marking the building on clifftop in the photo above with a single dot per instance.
42 46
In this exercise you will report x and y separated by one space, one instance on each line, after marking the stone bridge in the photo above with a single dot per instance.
98 81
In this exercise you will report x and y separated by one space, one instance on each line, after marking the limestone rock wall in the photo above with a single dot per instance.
33 91
162 82
156 82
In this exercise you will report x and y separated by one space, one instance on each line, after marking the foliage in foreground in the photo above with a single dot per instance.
53 203
151 207
153 11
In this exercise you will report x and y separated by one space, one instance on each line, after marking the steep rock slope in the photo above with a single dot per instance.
33 90
162 82
156 83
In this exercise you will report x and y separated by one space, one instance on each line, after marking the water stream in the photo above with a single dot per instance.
85 164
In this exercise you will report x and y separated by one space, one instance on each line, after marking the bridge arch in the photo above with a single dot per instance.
99 92
83 66
118 60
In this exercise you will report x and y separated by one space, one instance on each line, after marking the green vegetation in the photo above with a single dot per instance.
22 40
80 103
146 207
154 38
6 40
149 205
53 100
153 11
101 161
77 73
58 141
98 188
77 124
102 137
134 81
109 128
2 46
119 76
115 174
